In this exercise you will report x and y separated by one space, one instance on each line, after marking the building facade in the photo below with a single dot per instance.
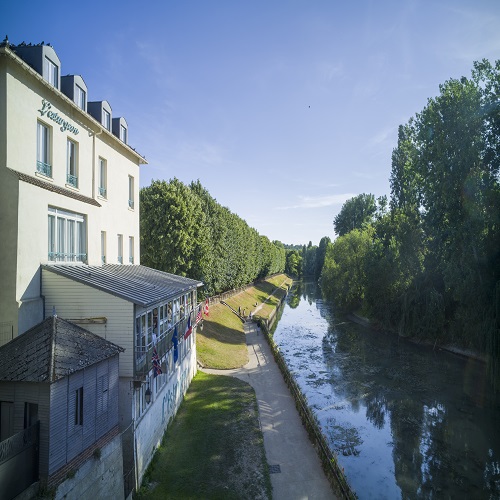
69 220
69 190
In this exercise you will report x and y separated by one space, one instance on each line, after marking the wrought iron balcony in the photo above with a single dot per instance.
44 168
72 180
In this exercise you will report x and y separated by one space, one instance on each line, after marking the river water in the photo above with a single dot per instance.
406 421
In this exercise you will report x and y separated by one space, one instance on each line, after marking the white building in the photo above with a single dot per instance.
69 226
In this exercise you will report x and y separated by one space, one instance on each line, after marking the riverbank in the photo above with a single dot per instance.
294 465
454 349
221 342
403 420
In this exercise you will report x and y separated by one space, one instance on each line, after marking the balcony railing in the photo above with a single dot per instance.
143 352
102 191
67 257
44 168
72 180
131 203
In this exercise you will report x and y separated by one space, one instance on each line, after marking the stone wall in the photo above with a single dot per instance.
100 476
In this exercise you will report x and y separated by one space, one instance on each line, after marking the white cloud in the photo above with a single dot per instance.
319 201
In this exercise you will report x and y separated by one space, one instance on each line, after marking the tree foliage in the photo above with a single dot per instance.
185 231
433 265
344 278
355 214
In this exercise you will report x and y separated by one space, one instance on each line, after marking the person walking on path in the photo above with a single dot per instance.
296 470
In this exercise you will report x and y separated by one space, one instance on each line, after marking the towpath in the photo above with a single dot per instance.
296 471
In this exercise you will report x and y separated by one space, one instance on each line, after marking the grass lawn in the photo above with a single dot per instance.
221 344
214 447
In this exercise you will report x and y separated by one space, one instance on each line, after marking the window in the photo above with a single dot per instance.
6 419
130 191
120 248
79 406
123 134
43 150
80 97
51 72
176 311
182 300
103 177
103 247
71 164
106 119
30 414
66 236
131 249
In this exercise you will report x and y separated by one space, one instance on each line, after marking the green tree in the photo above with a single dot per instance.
343 279
293 265
309 260
172 229
355 213
457 186
320 255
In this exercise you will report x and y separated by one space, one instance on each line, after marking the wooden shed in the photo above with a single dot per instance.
65 378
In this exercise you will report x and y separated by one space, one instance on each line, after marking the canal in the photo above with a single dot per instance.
405 421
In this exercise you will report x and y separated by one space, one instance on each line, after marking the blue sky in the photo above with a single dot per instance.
282 109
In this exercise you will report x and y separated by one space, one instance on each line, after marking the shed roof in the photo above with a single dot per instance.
51 350
138 284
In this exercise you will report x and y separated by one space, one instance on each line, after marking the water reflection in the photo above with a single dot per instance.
406 421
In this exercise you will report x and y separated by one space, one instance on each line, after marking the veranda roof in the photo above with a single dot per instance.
138 284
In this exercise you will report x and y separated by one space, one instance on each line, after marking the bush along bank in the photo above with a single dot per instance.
333 471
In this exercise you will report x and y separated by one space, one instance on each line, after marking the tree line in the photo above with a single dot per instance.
185 231
427 262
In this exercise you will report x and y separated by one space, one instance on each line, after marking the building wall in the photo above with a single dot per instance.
26 392
24 207
153 423
97 476
9 202
73 301
68 440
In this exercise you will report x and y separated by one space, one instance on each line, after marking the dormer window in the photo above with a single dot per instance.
80 97
74 87
51 72
120 128
106 119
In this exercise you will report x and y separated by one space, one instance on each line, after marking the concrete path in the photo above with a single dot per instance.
296 472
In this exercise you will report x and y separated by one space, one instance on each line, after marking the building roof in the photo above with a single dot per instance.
138 284
9 50
51 350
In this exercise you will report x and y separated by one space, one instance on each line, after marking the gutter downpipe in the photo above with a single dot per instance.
94 134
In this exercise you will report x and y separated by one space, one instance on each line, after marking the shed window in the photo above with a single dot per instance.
79 406
30 414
